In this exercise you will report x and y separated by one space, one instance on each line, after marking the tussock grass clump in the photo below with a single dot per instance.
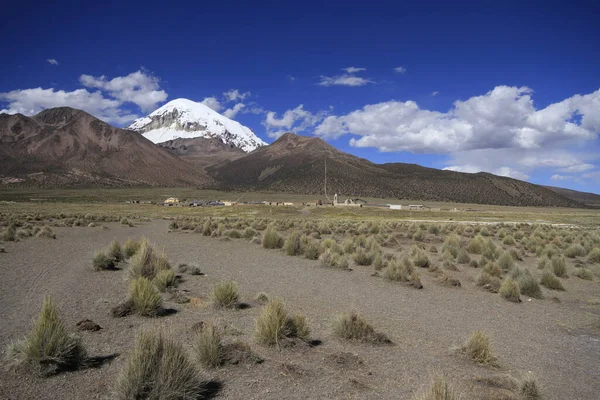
114 251
248 233
418 235
508 240
492 268
348 245
479 348
583 273
146 262
476 245
311 250
463 257
271 239
440 389
158 368
550 281
489 282
130 247
363 257
101 261
48 348
505 261
331 259
9 234
165 279
575 250
420 258
262 297
209 348
233 234
529 285
594 255
559 266
46 232
510 290
292 245
529 389
402 271
353 327
144 299
274 327
225 294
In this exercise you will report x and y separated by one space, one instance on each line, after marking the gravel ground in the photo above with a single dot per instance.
557 341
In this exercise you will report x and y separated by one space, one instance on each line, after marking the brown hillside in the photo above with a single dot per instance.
589 199
68 147
202 152
296 164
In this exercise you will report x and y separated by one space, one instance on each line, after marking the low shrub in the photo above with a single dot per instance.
48 348
402 271
420 258
114 251
311 250
46 232
9 234
158 368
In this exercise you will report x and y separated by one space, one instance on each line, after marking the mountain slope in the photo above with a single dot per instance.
202 152
296 164
183 118
590 199
68 147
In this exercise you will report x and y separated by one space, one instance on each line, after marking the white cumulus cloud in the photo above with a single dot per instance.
52 61
234 95
400 70
213 103
344 80
294 120
138 87
353 70
232 112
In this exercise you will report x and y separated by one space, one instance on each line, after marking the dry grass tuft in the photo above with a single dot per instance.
158 368
225 294
550 281
529 285
529 388
208 346
146 262
292 244
479 348
440 389
145 300
583 273
353 327
559 266
48 348
130 247
165 279
102 261
275 328
510 290
271 239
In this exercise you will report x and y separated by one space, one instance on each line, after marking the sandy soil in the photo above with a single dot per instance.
558 341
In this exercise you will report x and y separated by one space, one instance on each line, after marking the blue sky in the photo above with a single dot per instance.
510 88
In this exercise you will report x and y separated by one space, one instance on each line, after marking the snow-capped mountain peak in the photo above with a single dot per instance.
183 118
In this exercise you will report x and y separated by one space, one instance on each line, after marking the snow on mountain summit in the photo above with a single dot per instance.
183 118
